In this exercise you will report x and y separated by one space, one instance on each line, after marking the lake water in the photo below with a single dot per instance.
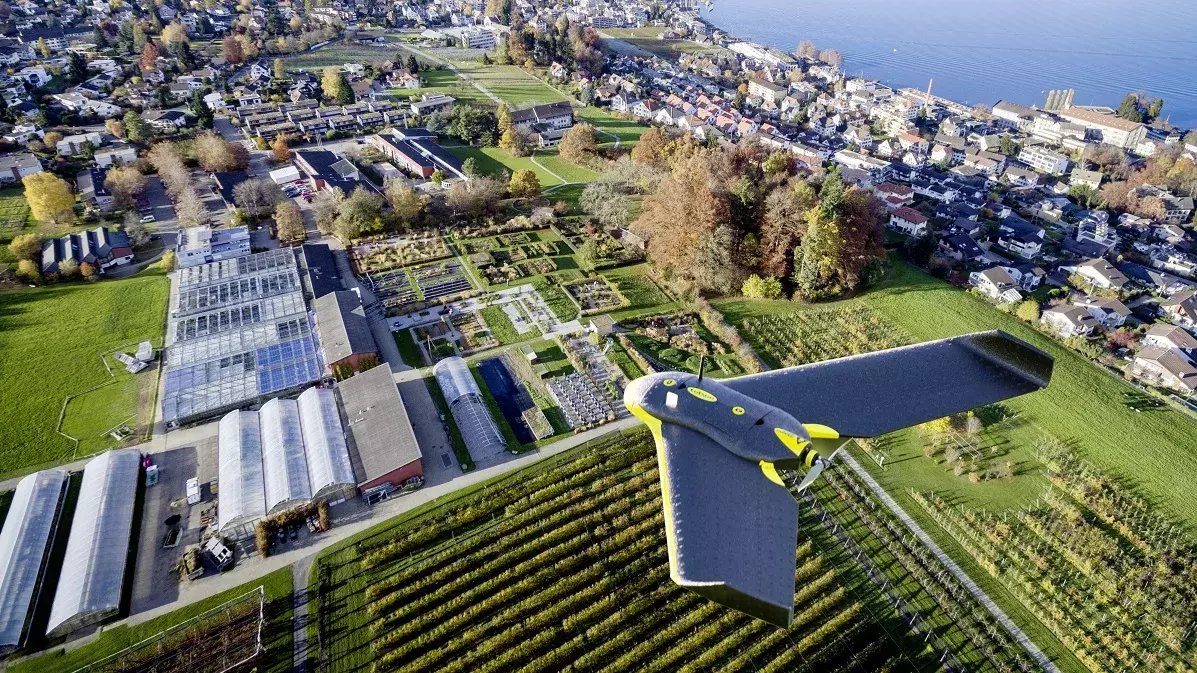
980 52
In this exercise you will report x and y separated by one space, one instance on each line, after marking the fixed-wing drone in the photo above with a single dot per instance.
731 522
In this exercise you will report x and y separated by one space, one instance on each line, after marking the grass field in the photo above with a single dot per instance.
510 83
561 566
500 326
51 343
493 161
626 131
340 54
14 213
571 172
1155 449
276 636
409 351
640 290
128 400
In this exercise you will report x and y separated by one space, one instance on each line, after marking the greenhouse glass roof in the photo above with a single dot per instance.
324 441
283 461
24 542
89 587
478 429
242 485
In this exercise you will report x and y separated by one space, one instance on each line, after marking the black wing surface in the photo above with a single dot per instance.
732 531
872 394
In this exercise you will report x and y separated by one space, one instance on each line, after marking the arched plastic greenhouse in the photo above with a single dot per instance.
477 426
89 588
24 544
242 484
329 469
283 461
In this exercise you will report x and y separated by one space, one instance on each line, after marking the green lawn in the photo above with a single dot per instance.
637 287
14 213
493 161
549 354
557 300
276 636
511 84
628 132
409 350
500 326
571 172
51 343
129 399
340 54
646 39
1155 449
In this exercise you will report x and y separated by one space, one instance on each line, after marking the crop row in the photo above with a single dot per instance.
823 334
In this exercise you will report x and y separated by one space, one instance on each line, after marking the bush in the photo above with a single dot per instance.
262 539
757 287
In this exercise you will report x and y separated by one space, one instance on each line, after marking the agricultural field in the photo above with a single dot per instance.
563 564
813 336
557 300
570 172
52 340
646 38
518 257
641 291
1086 561
500 326
14 213
339 54
510 83
276 636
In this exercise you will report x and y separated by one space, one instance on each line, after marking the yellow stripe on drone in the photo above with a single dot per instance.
792 442
702 394
654 425
817 431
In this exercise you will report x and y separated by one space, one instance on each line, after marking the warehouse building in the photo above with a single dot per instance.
478 429
382 444
285 455
24 548
320 270
238 331
345 336
89 588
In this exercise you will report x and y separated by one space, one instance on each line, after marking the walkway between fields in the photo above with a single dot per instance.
958 572
448 64
299 619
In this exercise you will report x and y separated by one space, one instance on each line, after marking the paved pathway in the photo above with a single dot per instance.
301 598
544 168
979 593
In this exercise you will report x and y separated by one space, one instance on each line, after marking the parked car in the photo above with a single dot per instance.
148 218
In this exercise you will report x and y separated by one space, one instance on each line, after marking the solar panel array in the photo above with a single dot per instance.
240 330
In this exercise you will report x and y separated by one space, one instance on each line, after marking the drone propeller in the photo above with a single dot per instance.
731 521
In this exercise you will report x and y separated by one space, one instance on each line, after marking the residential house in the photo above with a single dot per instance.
15 167
1090 179
1044 160
1108 311
1165 368
960 247
165 120
101 247
1171 337
74 144
1067 320
430 103
1181 309
1017 236
89 184
908 221
1099 273
996 284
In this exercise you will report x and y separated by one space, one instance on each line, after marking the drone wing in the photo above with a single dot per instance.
876 393
732 531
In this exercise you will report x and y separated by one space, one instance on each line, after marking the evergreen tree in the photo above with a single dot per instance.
413 66
1129 108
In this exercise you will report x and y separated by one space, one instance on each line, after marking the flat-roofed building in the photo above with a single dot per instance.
382 444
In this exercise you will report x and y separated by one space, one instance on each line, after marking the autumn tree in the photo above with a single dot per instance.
756 287
174 33
135 229
26 246
650 150
165 159
1118 195
149 57
331 82
475 197
190 209
514 141
232 50
844 243
783 225
524 184
214 153
780 162
29 271
258 197
280 69
578 144
68 269
407 205
87 270
1028 311
279 148
503 117
49 197
832 58
359 213
324 208
126 183
681 214
289 220
603 202
808 50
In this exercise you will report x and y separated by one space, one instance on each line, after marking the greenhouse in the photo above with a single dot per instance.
284 462
242 489
24 544
329 469
482 437
239 330
89 588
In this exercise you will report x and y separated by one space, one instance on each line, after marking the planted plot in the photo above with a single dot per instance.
475 334
1110 578
441 280
557 300
596 295
563 567
396 252
392 288
822 334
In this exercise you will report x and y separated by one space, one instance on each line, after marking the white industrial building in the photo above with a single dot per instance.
24 547
478 429
242 487
93 575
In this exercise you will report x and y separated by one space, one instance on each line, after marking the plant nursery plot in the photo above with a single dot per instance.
397 251
562 566
596 295
813 336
